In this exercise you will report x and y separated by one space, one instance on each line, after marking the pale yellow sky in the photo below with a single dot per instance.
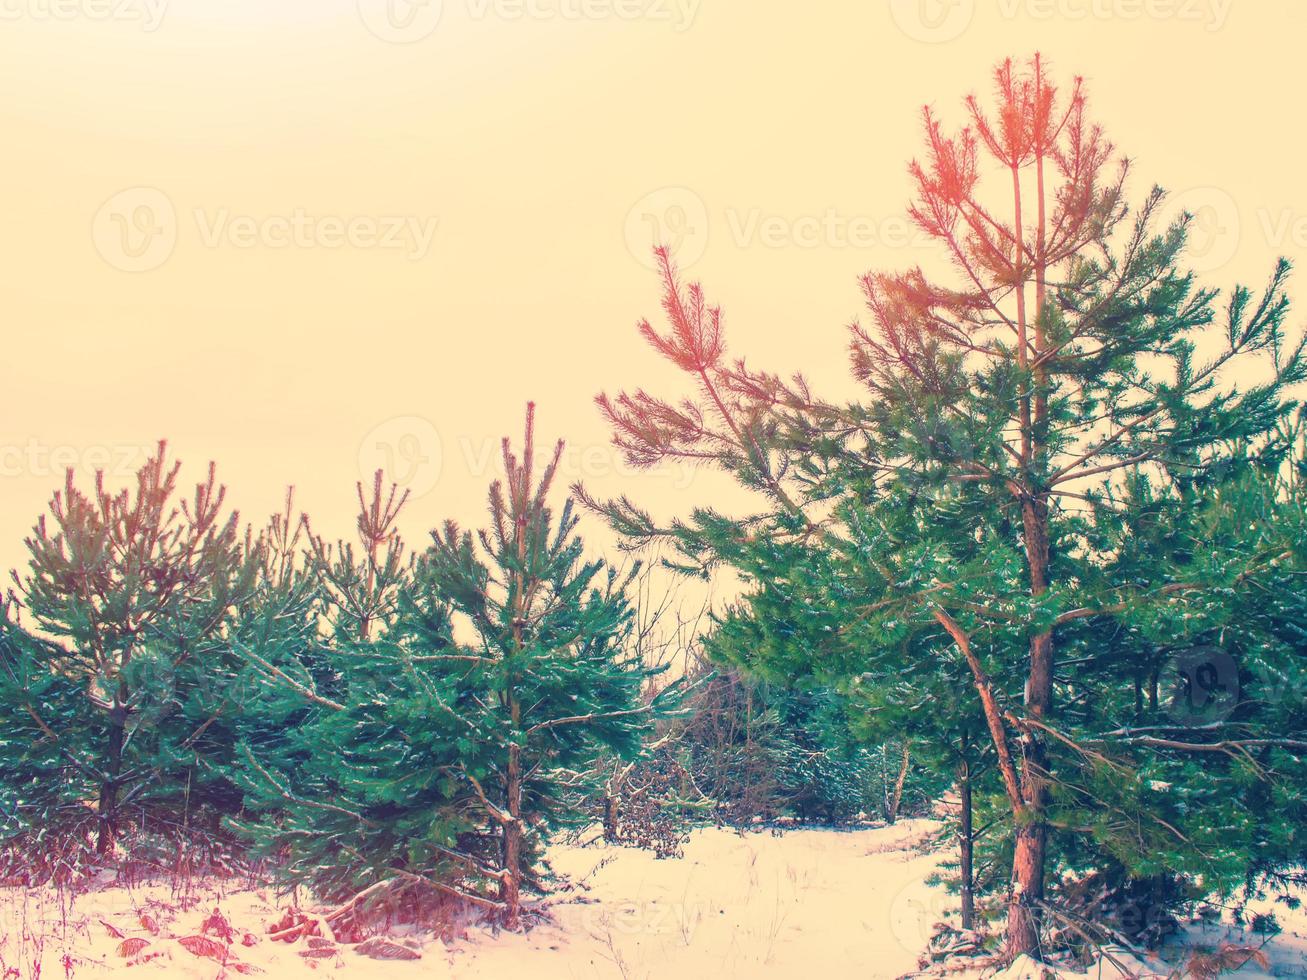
306 237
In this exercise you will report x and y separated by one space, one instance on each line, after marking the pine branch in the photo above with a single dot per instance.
299 688
593 716
989 703
499 816
290 797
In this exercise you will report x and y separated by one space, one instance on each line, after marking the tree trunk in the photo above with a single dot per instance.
1032 830
510 888
610 818
895 800
967 847
107 808
1027 890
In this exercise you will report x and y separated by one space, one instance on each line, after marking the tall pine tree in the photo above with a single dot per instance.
1070 351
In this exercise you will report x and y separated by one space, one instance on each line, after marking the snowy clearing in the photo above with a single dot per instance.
805 903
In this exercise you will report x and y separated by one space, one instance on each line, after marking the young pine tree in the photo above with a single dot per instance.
346 764
550 681
450 722
134 591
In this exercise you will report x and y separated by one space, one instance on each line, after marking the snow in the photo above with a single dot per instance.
800 903
1287 951
807 902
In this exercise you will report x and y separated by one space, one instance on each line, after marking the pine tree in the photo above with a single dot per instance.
462 698
1003 409
553 683
46 770
134 591
345 768
1188 698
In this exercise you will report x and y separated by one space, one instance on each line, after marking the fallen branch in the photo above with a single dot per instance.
440 886
360 898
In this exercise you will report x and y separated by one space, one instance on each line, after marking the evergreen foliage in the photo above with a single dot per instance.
974 519
1049 568
464 696
132 594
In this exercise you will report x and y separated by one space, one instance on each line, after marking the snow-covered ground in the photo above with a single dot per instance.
818 904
